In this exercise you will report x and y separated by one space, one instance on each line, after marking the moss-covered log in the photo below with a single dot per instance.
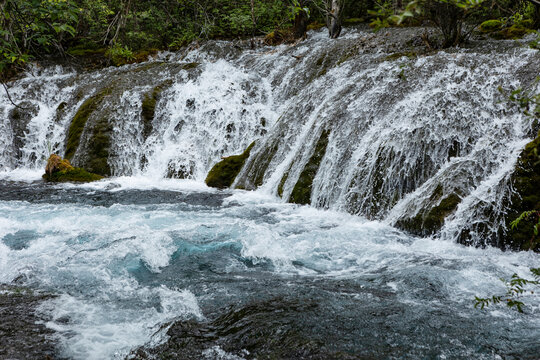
301 193
224 172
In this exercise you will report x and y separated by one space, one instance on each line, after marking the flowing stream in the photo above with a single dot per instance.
136 255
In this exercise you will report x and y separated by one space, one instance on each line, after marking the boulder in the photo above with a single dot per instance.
60 170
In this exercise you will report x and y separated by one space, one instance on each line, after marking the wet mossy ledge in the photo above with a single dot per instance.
301 193
430 220
149 107
222 175
60 170
78 123
526 184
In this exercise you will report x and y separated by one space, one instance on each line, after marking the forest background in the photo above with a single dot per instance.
123 31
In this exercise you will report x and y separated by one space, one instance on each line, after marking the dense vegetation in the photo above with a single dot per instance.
118 29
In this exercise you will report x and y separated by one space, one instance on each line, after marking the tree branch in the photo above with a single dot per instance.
9 97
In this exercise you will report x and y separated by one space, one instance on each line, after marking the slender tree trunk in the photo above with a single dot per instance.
536 16
334 17
300 23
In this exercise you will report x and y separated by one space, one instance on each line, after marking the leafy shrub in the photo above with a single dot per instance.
491 25
120 55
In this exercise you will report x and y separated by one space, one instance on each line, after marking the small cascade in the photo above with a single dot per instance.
350 124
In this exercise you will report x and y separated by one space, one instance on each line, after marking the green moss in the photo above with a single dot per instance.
98 150
526 184
279 37
301 193
263 163
399 55
224 172
353 21
190 66
143 55
513 32
79 122
315 26
490 26
434 220
431 220
282 184
83 52
149 107
74 175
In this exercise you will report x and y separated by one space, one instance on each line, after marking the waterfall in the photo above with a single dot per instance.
367 131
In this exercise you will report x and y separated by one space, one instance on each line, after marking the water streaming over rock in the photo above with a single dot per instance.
403 133
345 125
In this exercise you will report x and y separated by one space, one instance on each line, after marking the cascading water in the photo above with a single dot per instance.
344 125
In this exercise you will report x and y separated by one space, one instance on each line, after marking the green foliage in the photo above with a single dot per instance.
516 287
449 16
535 44
382 15
526 100
120 55
296 8
31 27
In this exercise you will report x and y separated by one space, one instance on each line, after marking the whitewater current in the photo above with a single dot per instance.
134 256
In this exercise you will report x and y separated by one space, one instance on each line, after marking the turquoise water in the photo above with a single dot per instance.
128 258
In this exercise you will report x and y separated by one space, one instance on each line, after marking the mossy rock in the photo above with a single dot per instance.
149 107
191 65
399 55
281 185
491 26
279 37
224 172
315 26
73 175
56 163
85 52
429 221
353 21
98 148
511 33
143 55
78 123
301 193
60 170
526 184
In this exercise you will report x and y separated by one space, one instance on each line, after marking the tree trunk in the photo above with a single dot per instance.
300 25
334 17
536 17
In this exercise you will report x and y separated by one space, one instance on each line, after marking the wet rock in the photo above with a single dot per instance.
22 333
224 172
60 170
526 184
20 118
149 107
301 193
260 330
430 220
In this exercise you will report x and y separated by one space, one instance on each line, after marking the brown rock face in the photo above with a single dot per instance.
56 163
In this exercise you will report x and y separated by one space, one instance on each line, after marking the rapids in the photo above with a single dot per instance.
140 260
